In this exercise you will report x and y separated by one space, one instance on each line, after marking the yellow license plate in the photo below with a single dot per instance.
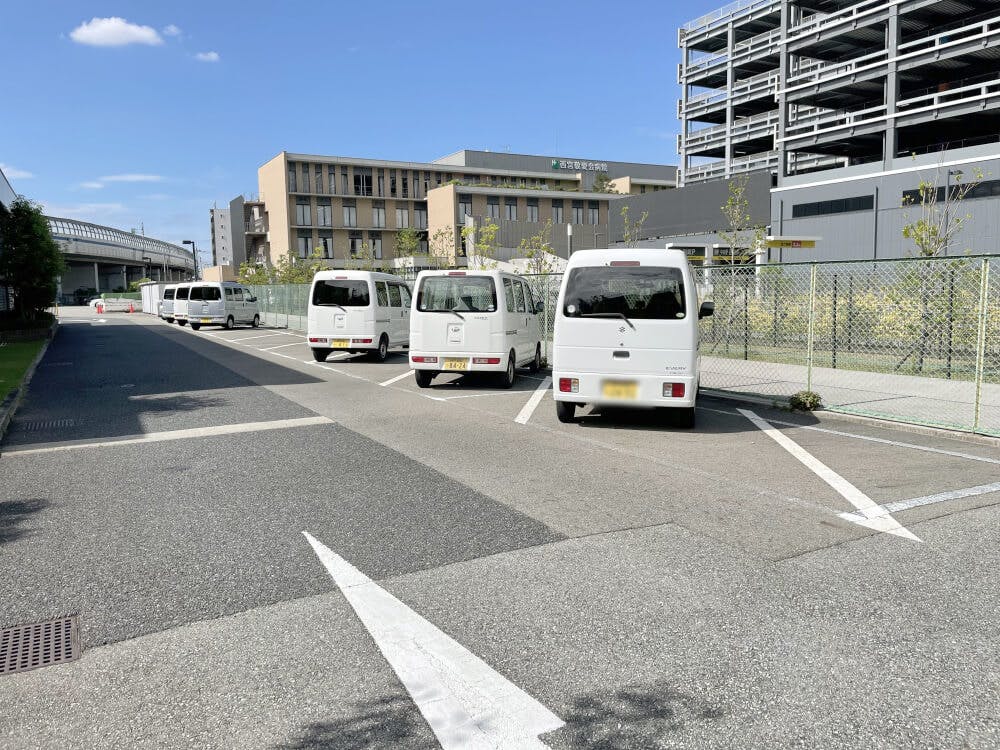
451 363
623 391
206 320
340 343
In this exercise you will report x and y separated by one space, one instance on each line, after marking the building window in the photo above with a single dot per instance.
318 178
324 213
326 244
378 214
406 186
402 217
841 205
350 214
510 209
392 183
375 238
381 184
427 183
492 207
424 247
464 209
420 217
331 179
642 189
593 212
354 243
304 244
292 182
532 209
362 181
303 216
345 187
557 211
304 185
578 212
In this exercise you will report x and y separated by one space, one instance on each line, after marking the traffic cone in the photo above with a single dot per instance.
130 308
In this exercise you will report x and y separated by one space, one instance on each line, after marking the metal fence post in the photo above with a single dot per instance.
545 319
984 290
288 303
833 341
812 321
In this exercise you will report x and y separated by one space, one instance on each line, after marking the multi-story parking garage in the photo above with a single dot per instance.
103 259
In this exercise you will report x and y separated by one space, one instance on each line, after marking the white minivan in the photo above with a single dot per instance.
181 303
357 311
221 303
626 332
166 311
473 321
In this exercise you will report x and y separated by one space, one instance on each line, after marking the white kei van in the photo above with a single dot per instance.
221 303
166 311
357 311
626 332
473 321
181 303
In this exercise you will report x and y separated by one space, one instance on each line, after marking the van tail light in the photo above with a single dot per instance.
456 273
624 263
425 360
361 341
569 385
673 390
313 340
486 360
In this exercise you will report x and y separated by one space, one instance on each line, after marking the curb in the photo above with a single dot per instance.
13 401
823 415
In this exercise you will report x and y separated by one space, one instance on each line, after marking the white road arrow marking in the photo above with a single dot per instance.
464 700
870 514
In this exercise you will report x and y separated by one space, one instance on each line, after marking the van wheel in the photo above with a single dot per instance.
424 378
196 326
170 320
536 363
320 355
182 322
566 411
507 379
256 321
230 323
382 352
683 418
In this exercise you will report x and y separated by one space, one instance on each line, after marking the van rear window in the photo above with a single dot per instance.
459 293
182 293
643 292
168 293
343 292
211 293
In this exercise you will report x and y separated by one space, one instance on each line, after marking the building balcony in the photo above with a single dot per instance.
824 25
709 31
254 227
767 160
744 129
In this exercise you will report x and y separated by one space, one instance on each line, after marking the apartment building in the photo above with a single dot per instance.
344 206
222 233
249 223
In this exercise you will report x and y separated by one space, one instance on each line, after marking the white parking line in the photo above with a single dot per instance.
282 346
536 398
250 338
396 379
195 432
941 497
870 513
465 701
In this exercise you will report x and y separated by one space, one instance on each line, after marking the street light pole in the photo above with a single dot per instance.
194 251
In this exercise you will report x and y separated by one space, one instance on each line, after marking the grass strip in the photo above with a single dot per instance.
15 358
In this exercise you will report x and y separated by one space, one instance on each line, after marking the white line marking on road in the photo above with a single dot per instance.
396 379
869 438
940 497
465 701
195 432
248 338
869 514
484 395
536 398
282 346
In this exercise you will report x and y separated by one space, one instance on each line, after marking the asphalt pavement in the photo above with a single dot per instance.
818 584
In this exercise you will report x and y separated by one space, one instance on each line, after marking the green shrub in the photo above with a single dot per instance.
805 401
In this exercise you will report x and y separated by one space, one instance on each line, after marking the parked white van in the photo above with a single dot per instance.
473 321
357 311
181 303
221 303
626 332
166 311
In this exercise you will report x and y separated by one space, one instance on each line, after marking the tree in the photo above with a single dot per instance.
602 184
632 230
133 286
30 260
483 241
255 274
407 242
538 250
442 243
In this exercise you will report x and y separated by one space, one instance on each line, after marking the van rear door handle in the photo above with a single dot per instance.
620 354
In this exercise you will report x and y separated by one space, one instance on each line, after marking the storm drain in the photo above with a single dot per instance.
47 424
25 647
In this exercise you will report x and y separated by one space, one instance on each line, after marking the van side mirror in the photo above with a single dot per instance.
707 309
539 308
252 299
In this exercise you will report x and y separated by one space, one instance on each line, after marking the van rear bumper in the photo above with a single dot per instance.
649 389
354 342
469 357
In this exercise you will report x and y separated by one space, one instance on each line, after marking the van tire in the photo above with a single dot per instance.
566 411
424 378
536 363
230 323
256 321
380 354
508 377
684 418
170 320
195 326
182 322
320 355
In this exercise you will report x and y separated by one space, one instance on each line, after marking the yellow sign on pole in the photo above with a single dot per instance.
793 242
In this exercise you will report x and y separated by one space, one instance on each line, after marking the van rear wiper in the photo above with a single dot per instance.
608 315
332 304
453 312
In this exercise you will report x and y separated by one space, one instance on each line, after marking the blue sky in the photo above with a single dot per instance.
150 117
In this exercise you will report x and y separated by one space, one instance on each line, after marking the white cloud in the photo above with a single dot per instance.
92 185
13 173
172 30
114 32
132 178
207 56
85 211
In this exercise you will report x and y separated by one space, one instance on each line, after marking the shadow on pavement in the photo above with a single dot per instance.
383 723
629 718
708 420
14 513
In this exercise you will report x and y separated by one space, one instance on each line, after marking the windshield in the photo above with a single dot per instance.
342 292
458 293
641 292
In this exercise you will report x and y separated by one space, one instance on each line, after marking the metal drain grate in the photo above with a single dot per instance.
40 644
47 424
